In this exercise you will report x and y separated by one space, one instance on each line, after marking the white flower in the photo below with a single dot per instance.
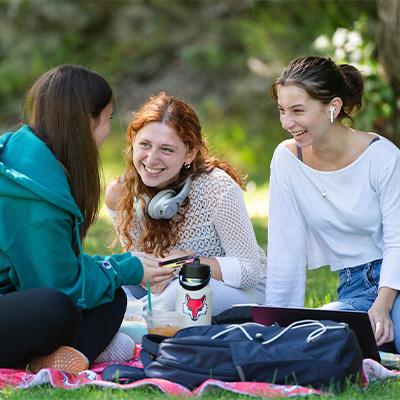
354 41
339 37
322 42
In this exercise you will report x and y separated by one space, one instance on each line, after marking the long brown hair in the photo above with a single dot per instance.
58 109
159 235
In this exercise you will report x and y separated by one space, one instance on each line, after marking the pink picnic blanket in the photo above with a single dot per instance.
22 379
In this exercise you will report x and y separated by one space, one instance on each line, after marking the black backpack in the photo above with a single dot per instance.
322 354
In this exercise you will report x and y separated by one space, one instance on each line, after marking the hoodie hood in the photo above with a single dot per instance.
24 177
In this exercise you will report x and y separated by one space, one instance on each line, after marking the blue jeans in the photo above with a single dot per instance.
358 289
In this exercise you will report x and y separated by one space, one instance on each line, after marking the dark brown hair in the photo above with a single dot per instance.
159 235
323 80
58 109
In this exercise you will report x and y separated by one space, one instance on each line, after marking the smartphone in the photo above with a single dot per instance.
176 262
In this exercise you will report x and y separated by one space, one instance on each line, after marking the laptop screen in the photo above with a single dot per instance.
356 320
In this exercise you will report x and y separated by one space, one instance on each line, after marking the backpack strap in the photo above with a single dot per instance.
150 346
122 373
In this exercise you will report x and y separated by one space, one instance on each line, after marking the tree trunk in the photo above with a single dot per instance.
389 54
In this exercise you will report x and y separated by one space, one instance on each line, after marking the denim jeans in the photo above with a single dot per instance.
358 289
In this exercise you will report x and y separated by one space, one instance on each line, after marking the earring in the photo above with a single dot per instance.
187 165
332 114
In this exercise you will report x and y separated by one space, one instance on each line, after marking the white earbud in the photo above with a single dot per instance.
332 110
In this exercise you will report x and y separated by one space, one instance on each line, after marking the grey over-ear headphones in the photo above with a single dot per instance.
165 204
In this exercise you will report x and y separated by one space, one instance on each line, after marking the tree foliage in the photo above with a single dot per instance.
219 55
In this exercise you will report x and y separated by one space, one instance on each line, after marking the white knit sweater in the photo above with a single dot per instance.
217 225
358 220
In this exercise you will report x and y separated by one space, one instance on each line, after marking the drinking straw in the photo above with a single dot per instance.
148 295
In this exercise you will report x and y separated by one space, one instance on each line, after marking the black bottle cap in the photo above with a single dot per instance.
196 270
194 276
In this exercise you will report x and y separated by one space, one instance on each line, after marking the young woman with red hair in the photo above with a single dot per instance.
168 166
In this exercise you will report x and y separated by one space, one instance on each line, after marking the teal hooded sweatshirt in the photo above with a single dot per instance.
39 223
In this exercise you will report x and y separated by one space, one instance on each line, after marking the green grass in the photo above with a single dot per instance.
321 286
387 390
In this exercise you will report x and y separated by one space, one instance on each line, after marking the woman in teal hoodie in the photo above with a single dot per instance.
49 197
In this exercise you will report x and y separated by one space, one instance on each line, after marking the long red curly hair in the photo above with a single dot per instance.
159 235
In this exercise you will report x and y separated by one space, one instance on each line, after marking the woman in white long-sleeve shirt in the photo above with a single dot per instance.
167 158
334 197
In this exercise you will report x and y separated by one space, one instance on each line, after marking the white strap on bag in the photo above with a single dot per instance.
315 334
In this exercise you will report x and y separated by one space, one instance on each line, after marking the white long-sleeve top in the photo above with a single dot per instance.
217 225
357 222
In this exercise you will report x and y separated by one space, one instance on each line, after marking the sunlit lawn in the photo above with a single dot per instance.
321 286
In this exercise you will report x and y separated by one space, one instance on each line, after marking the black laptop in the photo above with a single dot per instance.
358 321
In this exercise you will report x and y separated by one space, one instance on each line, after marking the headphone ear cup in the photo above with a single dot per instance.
161 206
165 204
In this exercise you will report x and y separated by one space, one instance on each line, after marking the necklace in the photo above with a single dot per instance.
324 194
344 145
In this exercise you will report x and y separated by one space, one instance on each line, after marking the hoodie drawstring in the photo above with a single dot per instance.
81 303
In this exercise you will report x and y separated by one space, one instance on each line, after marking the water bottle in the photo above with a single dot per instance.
194 294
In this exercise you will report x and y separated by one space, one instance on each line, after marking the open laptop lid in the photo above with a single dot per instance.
358 321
